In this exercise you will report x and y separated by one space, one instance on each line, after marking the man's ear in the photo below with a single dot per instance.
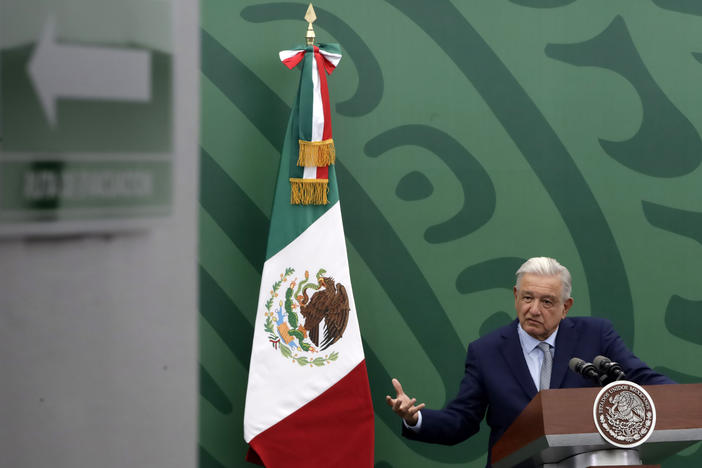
567 305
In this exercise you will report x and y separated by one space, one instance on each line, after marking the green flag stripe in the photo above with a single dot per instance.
306 97
289 221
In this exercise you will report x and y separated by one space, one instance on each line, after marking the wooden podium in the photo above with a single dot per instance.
556 429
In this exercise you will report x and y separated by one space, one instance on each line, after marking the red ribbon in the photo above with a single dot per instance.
291 62
321 68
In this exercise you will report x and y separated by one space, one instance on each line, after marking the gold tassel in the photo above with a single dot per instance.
309 191
316 153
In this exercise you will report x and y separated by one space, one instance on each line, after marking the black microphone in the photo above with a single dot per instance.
585 369
608 367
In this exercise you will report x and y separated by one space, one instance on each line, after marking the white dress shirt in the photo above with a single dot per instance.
533 356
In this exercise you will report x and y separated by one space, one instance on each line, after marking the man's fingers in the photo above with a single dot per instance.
402 404
407 403
412 411
398 386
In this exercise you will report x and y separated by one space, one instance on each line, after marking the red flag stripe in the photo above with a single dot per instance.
322 172
339 423
327 132
328 66
291 62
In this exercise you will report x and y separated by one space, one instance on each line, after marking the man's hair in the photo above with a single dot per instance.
545 266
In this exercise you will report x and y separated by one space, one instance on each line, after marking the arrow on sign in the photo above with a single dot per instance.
81 72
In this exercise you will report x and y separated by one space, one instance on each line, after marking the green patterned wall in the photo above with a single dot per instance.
470 135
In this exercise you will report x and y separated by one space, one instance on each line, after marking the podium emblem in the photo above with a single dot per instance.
624 414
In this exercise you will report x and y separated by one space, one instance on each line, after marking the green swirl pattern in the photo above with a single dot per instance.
469 136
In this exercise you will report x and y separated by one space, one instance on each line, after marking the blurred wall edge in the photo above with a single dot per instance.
98 334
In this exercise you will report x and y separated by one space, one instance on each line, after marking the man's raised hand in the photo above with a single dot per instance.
404 405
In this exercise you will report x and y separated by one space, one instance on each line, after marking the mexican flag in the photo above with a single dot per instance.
308 402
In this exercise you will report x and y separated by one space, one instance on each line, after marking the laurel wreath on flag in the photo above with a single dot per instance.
291 321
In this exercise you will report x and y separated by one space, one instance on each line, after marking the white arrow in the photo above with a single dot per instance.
80 72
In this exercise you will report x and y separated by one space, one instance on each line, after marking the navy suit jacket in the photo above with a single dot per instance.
497 379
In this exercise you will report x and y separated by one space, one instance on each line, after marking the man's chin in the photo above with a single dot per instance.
534 330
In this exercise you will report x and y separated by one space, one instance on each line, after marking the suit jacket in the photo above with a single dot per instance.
497 378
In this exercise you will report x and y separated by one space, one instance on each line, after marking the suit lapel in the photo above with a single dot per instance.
566 341
511 350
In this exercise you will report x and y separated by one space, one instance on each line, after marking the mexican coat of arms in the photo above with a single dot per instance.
305 317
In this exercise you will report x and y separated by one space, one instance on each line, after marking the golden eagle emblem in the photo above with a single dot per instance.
329 306
322 304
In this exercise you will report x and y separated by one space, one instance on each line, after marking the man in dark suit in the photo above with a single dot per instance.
506 368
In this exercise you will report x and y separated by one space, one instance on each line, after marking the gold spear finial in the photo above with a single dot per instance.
310 17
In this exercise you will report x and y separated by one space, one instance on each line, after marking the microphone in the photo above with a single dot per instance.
609 368
585 369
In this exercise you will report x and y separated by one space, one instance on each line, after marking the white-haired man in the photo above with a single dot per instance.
503 369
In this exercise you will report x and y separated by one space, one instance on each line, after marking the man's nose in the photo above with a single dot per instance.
535 306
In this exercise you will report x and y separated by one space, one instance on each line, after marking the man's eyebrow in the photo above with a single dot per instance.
531 293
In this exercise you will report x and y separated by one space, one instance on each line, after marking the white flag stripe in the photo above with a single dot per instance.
317 109
332 57
286 54
277 386
310 172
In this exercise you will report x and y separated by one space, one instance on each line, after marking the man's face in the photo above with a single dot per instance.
539 305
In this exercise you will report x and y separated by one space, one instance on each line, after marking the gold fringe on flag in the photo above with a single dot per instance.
308 191
316 153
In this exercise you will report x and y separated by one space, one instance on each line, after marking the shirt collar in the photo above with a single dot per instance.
528 342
